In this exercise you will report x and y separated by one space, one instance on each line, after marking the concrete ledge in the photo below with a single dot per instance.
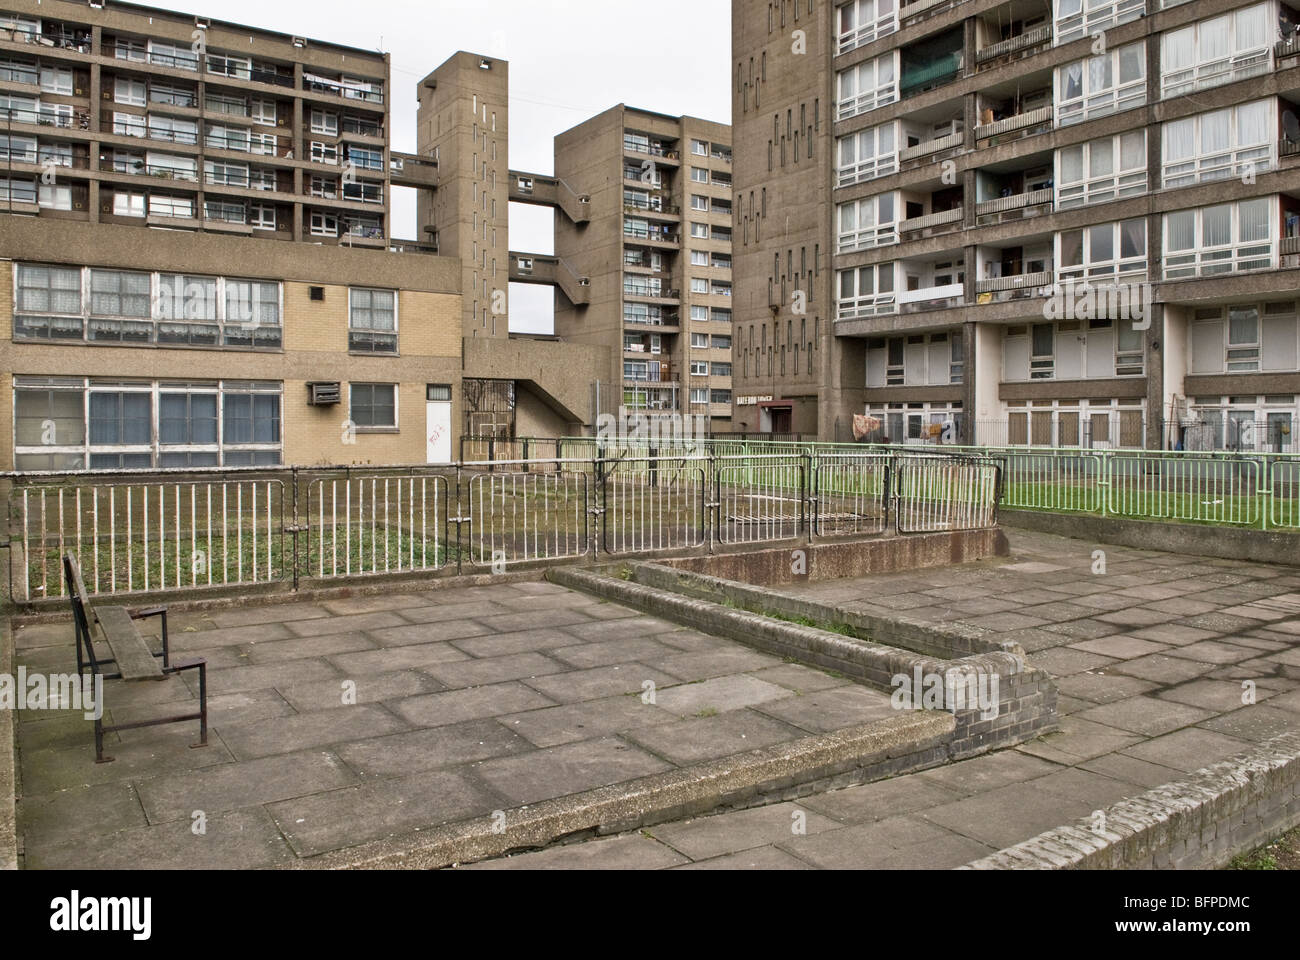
1202 821
949 642
8 760
907 742
1225 542
1027 696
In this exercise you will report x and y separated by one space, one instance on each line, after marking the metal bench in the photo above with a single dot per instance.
131 655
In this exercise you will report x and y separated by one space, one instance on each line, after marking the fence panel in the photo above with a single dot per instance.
939 494
521 517
1066 482
1284 477
760 499
150 537
655 504
363 526
851 494
1224 491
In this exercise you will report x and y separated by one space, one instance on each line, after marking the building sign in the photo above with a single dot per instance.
752 401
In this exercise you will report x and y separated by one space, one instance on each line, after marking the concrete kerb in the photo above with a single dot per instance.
8 760
1027 696
895 745
1202 821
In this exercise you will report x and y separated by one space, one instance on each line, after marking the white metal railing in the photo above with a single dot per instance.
869 169
932 146
866 101
1103 103
865 239
861 308
656 503
921 6
1239 66
869 32
1203 490
1101 189
850 493
760 499
1230 164
1021 120
371 525
1089 20
935 296
151 536
1023 281
946 494
1212 261
1030 38
524 517
1133 270
1018 201
931 220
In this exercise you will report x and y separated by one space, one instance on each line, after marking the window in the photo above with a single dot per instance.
720 369
1226 238
699 395
228 138
1097 86
867 291
1073 21
862 21
18 191
324 152
57 80
129 125
373 406
128 204
168 55
700 231
372 323
699 285
721 343
699 203
1220 144
324 224
869 222
720 289
19 149
162 205
221 103
48 304
699 148
251 424
699 175
868 154
699 314
699 258
18 71
1220 50
699 368
126 90
699 341
226 174
264 112
1102 170
172 95
1104 252
174 130
227 66
364 126
363 191
367 158
261 216
870 84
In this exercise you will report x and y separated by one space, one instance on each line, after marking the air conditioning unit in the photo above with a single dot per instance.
324 394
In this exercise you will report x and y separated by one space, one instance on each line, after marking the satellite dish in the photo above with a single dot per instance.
1291 126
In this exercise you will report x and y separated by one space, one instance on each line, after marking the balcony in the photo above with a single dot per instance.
1017 126
1290 258
936 71
1022 45
932 224
1024 286
920 10
1017 207
927 150
932 298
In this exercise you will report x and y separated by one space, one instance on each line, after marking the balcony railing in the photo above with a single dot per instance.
869 32
1286 49
1019 287
932 298
1018 202
932 220
929 8
1085 23
1038 37
1240 66
929 147
1019 122
1241 258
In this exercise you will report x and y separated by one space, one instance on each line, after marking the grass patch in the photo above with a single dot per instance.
1282 854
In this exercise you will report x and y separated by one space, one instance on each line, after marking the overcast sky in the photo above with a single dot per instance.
569 60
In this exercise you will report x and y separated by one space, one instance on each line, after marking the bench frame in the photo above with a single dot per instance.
82 613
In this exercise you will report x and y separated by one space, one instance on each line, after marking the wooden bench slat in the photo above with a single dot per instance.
130 651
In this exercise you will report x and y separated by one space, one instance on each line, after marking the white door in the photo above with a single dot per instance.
438 425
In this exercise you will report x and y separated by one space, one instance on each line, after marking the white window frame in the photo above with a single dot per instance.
1234 160
873 234
1114 269
1244 58
1084 18
865 303
1092 103
1235 256
867 168
866 86
860 22
1121 182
